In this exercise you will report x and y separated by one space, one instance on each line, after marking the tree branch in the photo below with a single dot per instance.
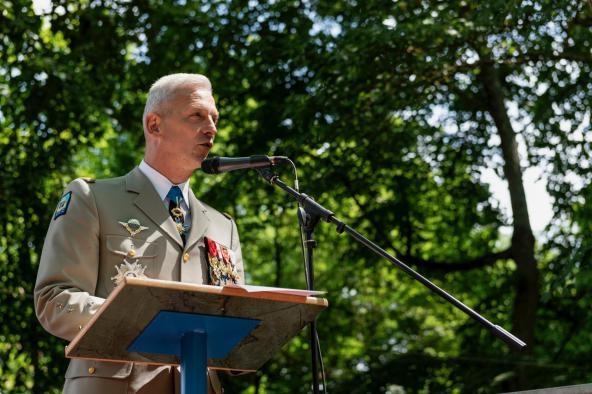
467 265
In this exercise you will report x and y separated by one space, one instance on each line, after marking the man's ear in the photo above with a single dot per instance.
152 123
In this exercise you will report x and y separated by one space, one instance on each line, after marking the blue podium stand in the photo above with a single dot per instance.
194 326
194 339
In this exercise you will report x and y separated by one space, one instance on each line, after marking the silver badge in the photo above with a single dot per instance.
128 270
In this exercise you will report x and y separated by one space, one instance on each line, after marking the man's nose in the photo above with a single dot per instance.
210 128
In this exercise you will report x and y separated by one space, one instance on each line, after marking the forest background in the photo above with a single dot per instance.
394 113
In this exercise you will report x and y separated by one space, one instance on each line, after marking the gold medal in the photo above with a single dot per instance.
177 212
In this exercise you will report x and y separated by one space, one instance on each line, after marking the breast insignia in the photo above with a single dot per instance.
133 226
128 270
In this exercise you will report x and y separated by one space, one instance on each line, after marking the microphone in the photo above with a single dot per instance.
217 165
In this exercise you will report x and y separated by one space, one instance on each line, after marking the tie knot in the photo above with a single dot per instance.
174 195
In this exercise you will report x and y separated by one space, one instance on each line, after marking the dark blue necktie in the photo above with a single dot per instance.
175 199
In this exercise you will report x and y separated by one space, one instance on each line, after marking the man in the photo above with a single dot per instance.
136 225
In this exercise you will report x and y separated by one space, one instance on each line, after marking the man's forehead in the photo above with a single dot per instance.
201 94
202 99
195 96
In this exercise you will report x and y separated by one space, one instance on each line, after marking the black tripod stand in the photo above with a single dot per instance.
311 212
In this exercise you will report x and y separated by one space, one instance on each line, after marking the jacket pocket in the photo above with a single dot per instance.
132 248
79 368
131 257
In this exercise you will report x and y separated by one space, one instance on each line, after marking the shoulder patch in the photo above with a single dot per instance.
88 180
63 204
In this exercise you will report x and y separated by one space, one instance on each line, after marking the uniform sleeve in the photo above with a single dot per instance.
68 268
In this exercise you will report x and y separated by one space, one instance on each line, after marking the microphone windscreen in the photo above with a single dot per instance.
210 166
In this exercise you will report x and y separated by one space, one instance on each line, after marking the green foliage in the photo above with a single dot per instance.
385 109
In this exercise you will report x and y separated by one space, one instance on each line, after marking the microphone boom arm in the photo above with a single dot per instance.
315 208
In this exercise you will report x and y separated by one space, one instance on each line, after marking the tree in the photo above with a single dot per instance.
391 111
59 82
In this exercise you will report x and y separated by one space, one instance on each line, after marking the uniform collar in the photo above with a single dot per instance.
161 183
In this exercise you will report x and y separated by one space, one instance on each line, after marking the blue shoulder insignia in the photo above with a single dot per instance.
63 204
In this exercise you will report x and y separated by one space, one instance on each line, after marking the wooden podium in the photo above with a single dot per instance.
195 326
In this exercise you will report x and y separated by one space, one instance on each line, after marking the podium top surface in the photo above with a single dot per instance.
136 302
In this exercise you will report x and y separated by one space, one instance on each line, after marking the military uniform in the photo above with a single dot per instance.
111 228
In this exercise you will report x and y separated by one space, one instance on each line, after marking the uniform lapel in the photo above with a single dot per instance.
149 202
199 220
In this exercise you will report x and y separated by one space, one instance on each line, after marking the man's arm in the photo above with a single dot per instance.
69 264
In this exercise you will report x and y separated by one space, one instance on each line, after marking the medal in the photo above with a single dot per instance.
222 269
178 215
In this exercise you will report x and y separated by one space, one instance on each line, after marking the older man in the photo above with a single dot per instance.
147 223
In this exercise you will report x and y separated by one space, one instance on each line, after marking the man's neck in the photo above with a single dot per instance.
176 176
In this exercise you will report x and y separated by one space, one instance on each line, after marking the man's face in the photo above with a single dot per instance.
188 127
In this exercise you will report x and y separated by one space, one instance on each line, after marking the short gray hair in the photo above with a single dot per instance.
166 87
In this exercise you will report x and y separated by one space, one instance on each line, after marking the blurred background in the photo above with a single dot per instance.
454 134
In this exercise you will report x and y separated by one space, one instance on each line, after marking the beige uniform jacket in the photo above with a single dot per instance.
88 246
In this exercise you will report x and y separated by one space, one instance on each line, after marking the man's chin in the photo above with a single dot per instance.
200 160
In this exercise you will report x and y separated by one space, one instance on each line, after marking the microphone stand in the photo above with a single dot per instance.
314 209
308 223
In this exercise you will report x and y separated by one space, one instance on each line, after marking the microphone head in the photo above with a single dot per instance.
210 166
218 165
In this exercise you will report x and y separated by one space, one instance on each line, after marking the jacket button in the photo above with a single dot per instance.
186 257
91 370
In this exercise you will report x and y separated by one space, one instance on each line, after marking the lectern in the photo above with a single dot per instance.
195 326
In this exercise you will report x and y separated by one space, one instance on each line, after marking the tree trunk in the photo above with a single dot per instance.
527 275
